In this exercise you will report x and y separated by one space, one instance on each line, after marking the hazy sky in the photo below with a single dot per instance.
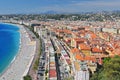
36 6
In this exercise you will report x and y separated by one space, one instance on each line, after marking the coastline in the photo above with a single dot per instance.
20 64
17 51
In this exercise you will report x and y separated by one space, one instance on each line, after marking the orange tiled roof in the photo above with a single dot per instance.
100 56
116 51
109 48
84 46
75 33
82 35
79 39
93 36
88 58
116 44
96 50
75 50
95 41
58 30
67 31
79 57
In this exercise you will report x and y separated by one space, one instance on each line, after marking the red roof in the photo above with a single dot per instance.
116 51
75 50
67 31
52 73
79 39
93 36
68 61
84 46
59 30
89 58
79 57
96 50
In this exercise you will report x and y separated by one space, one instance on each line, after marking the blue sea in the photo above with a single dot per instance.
9 44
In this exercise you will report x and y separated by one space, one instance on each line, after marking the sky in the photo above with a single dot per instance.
70 6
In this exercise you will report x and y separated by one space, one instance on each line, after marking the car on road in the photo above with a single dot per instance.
41 73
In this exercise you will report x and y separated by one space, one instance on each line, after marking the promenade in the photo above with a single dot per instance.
22 62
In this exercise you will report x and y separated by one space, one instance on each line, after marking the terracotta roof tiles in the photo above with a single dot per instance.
84 46
52 73
75 50
96 50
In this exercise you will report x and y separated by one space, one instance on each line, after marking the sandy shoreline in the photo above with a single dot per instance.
22 62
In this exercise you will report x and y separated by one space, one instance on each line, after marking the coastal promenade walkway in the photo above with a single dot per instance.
22 62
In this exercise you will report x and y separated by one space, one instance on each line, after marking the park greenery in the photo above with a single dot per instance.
109 71
27 77
36 64
31 28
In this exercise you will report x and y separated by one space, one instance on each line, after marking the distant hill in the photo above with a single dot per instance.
50 12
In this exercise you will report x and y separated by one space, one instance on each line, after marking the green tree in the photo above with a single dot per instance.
106 59
109 71
27 77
